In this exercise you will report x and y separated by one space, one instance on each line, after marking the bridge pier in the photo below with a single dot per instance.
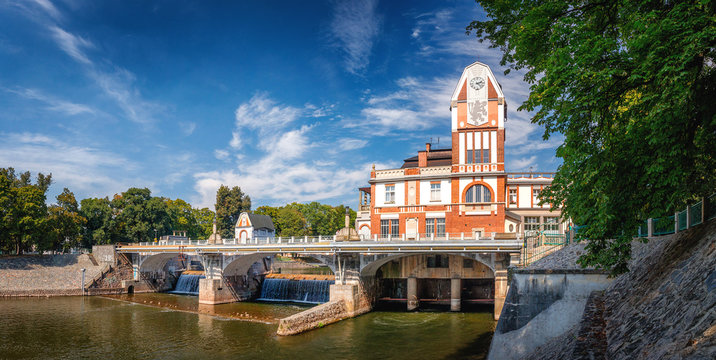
412 290
455 294
212 289
501 285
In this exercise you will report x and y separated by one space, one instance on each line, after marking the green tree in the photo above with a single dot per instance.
631 85
272 212
339 217
140 215
183 217
205 222
291 221
65 223
230 202
98 229
23 216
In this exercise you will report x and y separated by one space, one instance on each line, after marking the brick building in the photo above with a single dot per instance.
462 191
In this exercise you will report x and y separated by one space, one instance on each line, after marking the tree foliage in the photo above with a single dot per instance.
313 219
230 202
23 212
65 223
631 86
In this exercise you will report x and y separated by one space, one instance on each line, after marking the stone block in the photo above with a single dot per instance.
214 291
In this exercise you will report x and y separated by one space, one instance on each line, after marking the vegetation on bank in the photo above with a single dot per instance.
631 87
27 223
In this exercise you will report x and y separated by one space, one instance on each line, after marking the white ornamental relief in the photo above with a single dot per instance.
477 111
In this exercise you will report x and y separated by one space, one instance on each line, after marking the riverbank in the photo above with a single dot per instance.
49 275
664 308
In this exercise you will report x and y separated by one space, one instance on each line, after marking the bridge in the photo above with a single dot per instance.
233 270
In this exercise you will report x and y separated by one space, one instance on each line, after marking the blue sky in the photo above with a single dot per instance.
291 101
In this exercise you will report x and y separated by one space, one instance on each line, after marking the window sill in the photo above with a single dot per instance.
389 203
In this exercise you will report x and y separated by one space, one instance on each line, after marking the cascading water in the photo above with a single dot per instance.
302 291
188 284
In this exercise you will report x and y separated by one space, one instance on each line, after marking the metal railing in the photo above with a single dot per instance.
537 246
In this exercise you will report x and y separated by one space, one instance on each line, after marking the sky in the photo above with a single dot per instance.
289 100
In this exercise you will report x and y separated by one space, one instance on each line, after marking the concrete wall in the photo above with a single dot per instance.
104 254
540 305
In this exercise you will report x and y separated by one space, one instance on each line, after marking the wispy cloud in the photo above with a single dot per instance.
71 44
187 127
354 27
54 104
286 163
115 82
416 104
82 168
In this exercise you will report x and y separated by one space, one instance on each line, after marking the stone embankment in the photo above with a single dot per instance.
47 275
663 308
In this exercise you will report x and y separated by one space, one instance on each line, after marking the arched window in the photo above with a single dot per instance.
478 194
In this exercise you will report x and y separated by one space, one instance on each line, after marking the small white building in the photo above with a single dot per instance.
250 226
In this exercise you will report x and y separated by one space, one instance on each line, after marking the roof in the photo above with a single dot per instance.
436 157
261 221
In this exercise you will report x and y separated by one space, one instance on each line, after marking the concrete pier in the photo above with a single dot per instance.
213 291
413 301
455 292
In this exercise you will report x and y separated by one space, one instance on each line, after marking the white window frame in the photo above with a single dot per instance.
390 194
435 192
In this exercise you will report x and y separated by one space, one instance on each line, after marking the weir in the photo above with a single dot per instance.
301 291
188 283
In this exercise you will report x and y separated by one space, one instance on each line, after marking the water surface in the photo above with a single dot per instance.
169 326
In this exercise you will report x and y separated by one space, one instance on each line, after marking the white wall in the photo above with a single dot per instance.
399 194
445 190
524 196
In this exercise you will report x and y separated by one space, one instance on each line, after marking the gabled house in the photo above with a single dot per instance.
250 226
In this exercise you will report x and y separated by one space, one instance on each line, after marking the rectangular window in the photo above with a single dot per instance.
390 194
513 196
440 225
384 228
389 227
435 192
394 228
551 224
468 160
429 226
535 197
532 224
485 156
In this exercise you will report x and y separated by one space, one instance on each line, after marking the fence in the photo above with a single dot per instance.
541 244
693 215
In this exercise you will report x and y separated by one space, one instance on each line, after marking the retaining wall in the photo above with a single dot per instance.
541 305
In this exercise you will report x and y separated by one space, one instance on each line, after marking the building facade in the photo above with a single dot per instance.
462 191
249 226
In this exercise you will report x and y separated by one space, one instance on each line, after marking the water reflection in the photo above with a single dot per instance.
100 328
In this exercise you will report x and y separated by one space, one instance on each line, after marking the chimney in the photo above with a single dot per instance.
427 147
348 217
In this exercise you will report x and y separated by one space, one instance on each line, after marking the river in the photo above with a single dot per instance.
159 326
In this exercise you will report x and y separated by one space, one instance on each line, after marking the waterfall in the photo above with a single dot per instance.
188 284
303 291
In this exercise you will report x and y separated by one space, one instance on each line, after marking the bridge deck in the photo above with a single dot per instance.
362 247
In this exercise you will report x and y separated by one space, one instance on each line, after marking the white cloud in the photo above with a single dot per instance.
355 26
187 127
283 163
71 44
352 144
221 154
81 168
523 163
54 104
416 104
49 8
